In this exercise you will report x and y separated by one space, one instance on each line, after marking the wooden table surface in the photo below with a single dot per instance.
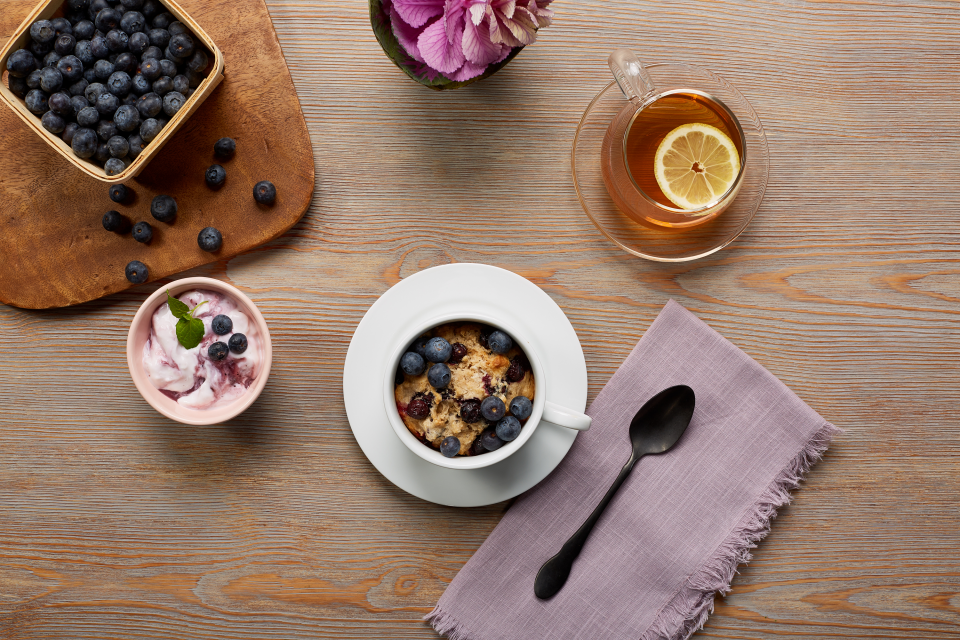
117 523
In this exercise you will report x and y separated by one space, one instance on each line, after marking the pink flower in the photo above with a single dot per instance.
461 38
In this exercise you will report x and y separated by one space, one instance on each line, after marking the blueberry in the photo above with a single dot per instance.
127 118
52 122
439 375
225 148
418 409
194 78
107 19
78 87
107 104
143 232
238 343
137 44
84 53
450 446
521 407
151 9
84 30
492 408
159 38
118 146
198 61
51 59
42 31
18 86
133 5
78 103
178 28
65 44
470 411
141 85
102 153
181 84
151 53
210 239
412 363
118 193
60 104
69 131
117 41
70 69
89 74
132 22
93 91
164 208
167 68
218 351
149 129
127 63
114 166
103 69
499 342
419 346
33 79
173 102
508 429
490 440
119 84
438 350
40 49
163 85
264 192
62 26
137 145
106 129
36 101
137 272
458 352
51 80
99 48
96 6
149 105
150 68
221 325
162 21
215 176
113 221
172 58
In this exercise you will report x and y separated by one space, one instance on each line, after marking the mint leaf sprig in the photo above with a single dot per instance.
189 329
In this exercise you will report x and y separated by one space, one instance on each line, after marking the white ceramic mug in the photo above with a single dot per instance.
543 410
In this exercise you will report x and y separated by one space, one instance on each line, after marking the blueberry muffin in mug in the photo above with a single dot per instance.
464 388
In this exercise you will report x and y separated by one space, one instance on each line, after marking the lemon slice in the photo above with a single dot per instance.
696 164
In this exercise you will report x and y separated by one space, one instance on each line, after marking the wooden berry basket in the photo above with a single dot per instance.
48 9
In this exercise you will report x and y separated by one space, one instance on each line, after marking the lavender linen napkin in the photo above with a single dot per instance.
681 523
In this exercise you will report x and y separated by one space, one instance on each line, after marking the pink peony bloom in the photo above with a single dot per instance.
461 38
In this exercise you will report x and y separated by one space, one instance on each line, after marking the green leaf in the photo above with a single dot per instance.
177 308
190 332
192 314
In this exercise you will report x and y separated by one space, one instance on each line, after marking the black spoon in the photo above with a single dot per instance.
655 429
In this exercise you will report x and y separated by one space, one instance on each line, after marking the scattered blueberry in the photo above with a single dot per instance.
521 407
508 429
438 350
113 221
450 447
224 147
215 176
470 411
264 192
143 232
492 408
164 208
210 239
238 343
412 363
221 325
136 272
218 351
499 342
84 143
458 352
439 375
418 409
118 192
490 440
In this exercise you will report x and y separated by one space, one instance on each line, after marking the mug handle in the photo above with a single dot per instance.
565 417
632 78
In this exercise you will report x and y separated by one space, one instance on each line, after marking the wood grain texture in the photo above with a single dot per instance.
53 249
116 523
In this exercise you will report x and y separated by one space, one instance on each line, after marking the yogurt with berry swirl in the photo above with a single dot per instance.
216 372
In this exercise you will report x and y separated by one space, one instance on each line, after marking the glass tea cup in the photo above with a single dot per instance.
634 134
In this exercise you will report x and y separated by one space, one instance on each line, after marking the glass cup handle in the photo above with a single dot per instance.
566 417
634 81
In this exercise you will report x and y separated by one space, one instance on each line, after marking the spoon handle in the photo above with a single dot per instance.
555 571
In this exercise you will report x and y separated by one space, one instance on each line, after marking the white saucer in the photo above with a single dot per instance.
466 288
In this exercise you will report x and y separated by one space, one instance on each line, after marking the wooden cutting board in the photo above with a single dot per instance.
54 251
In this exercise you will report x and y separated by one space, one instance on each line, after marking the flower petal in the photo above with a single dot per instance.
467 71
477 11
477 46
417 12
406 35
437 51
521 34
453 18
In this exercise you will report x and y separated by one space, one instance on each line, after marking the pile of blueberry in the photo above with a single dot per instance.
503 425
107 76
222 325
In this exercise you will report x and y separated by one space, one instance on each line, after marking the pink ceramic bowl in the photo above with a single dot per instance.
140 330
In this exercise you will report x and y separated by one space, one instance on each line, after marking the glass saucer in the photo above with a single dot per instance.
661 243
